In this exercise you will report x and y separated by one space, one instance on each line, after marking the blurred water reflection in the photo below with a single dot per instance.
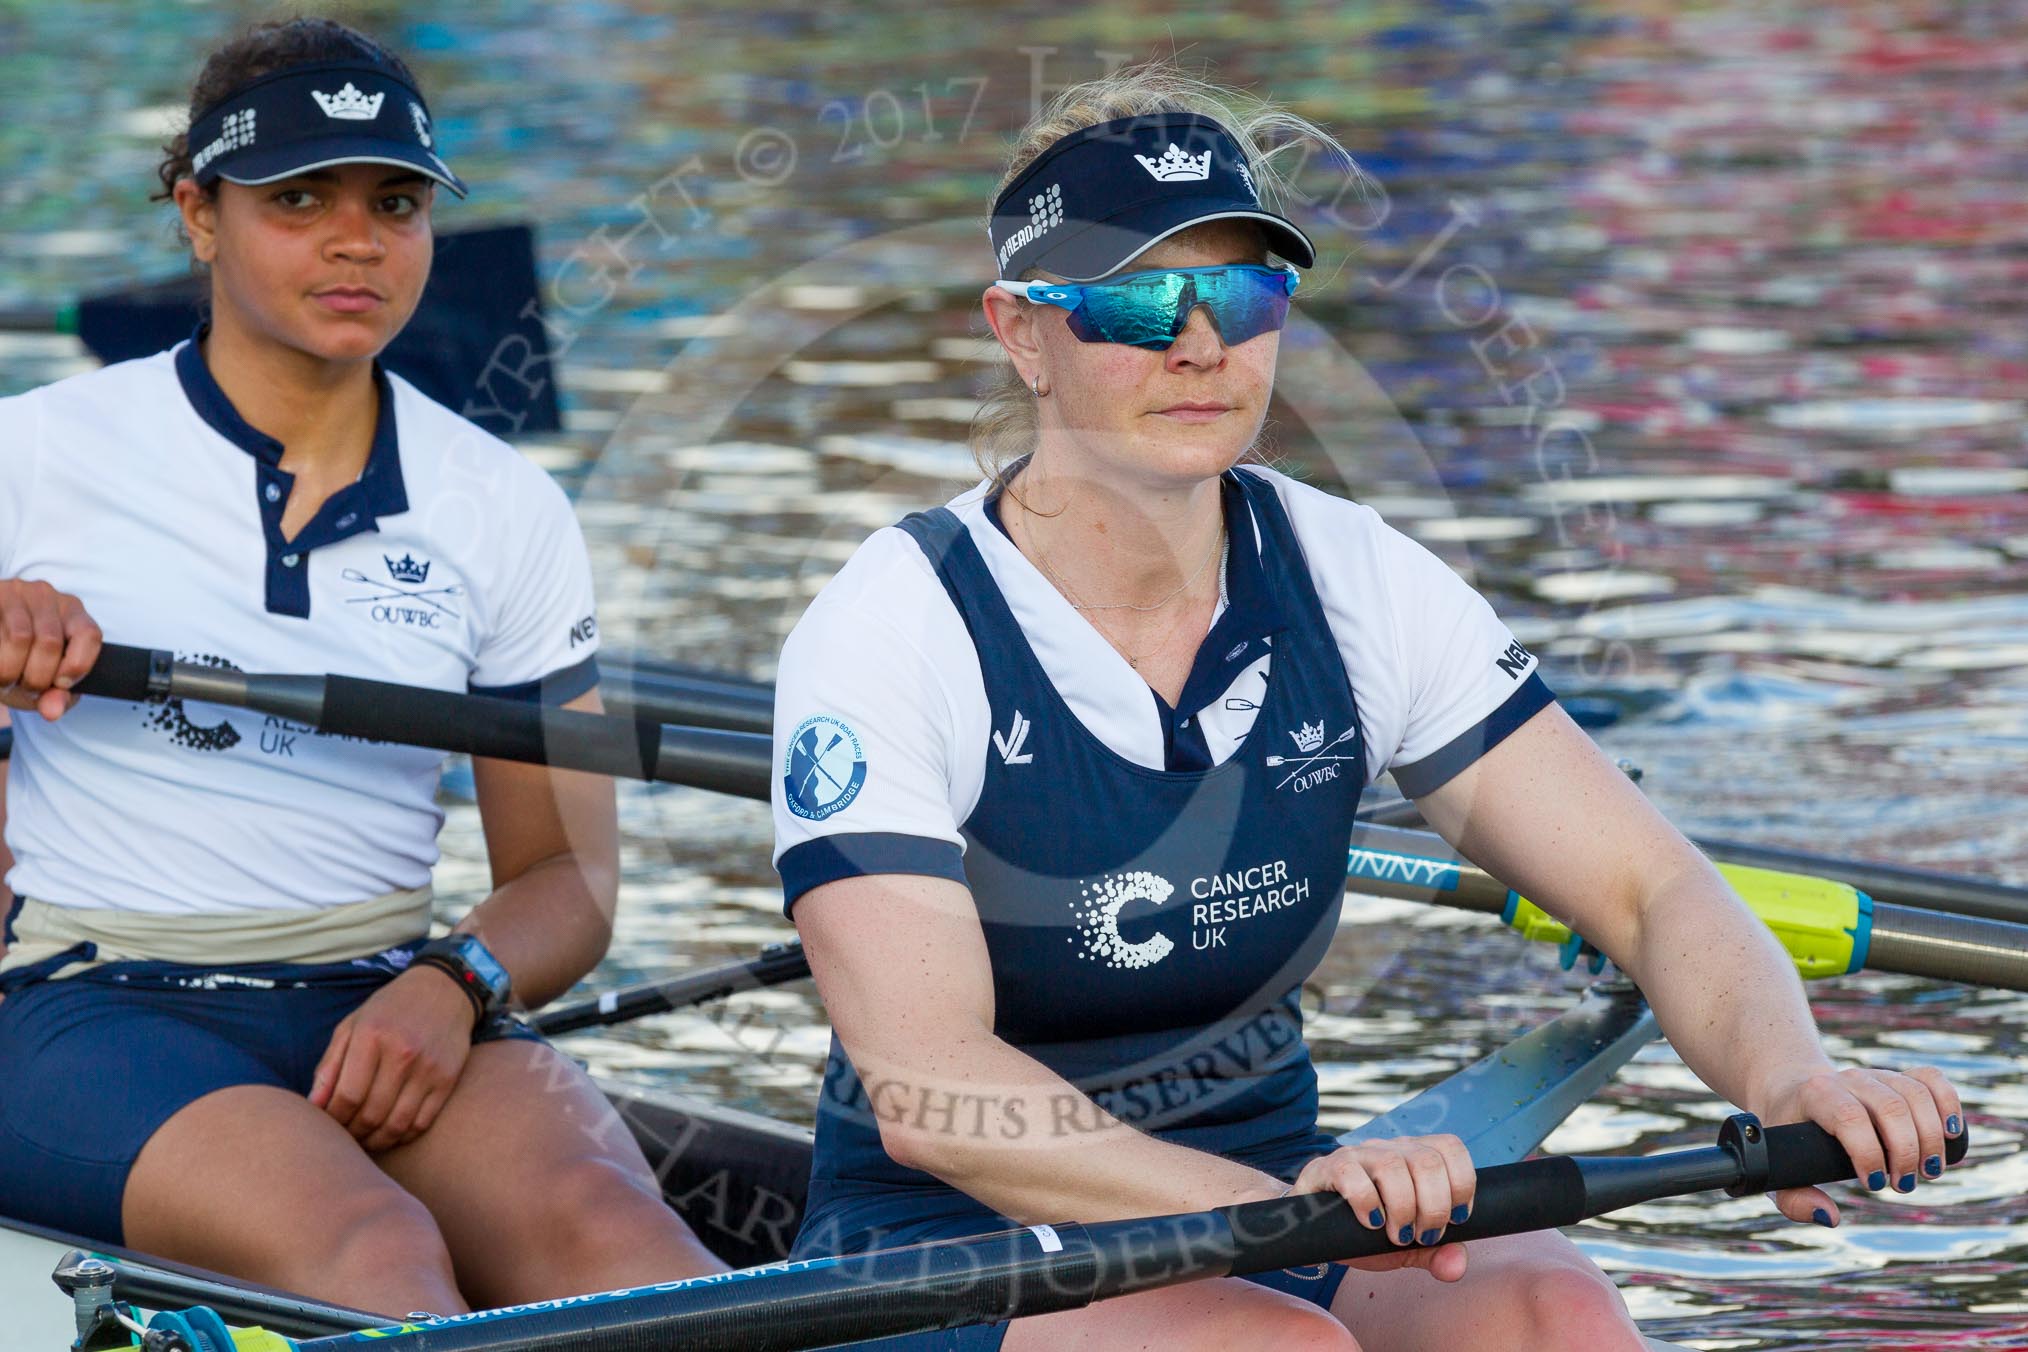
1694 332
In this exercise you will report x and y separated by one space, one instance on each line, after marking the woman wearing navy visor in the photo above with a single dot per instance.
1069 768
223 1038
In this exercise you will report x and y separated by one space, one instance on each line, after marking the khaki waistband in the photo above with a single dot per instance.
327 934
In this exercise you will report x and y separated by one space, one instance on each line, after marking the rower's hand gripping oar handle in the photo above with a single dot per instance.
121 672
1543 1194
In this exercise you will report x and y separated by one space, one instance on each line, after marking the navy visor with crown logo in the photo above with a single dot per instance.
314 116
1098 198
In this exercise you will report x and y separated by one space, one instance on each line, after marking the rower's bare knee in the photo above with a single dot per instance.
596 1198
1569 1304
1285 1325
1213 1315
610 1216
382 1240
1305 1327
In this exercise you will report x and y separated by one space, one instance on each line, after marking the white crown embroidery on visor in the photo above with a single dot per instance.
1177 166
348 104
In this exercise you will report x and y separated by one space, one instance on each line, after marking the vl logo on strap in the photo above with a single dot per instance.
824 770
1011 741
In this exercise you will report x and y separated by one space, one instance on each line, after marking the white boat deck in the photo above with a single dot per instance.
34 1315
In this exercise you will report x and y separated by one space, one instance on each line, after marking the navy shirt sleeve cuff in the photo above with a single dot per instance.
862 854
558 687
1441 766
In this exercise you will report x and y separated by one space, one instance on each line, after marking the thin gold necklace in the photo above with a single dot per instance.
1134 660
1042 557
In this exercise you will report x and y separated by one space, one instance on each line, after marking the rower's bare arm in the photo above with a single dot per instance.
1547 813
902 965
47 644
552 839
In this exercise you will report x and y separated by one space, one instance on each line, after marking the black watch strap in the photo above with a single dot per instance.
456 972
467 961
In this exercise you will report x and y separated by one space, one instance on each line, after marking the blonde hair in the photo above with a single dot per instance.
1004 428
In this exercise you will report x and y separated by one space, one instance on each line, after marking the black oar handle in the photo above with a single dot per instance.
1546 1193
122 672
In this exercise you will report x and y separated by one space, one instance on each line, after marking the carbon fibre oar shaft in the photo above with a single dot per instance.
568 739
775 965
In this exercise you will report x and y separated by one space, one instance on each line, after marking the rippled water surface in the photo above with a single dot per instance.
1695 331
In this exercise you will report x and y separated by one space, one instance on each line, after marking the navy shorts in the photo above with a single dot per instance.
92 1064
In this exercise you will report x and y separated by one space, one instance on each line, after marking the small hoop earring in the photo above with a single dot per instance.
1036 385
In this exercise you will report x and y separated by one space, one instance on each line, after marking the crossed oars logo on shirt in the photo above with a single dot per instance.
1322 753
394 591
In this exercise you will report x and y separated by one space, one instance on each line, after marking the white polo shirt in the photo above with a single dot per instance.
452 563
884 654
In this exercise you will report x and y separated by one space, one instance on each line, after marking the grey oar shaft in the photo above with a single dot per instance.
1389 861
1419 866
1948 947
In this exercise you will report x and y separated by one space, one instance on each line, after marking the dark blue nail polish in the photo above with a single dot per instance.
1376 1218
1460 1214
1933 1166
1875 1181
1407 1233
1821 1217
1906 1183
1430 1237
1952 1126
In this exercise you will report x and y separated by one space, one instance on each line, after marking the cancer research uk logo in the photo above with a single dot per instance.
825 768
1098 919
1219 906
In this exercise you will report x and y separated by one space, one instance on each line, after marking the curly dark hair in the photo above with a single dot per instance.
259 52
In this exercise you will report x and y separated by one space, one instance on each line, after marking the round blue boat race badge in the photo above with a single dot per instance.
825 768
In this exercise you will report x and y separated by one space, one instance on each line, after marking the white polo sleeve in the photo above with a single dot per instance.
1468 683
20 465
542 634
881 725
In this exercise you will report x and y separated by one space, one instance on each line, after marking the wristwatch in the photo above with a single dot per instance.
472 965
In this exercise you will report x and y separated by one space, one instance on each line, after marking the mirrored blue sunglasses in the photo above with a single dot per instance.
1150 309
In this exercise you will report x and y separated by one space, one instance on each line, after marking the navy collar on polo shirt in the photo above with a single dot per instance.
1237 640
379 491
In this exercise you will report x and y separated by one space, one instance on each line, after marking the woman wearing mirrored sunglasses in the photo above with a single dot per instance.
1069 768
